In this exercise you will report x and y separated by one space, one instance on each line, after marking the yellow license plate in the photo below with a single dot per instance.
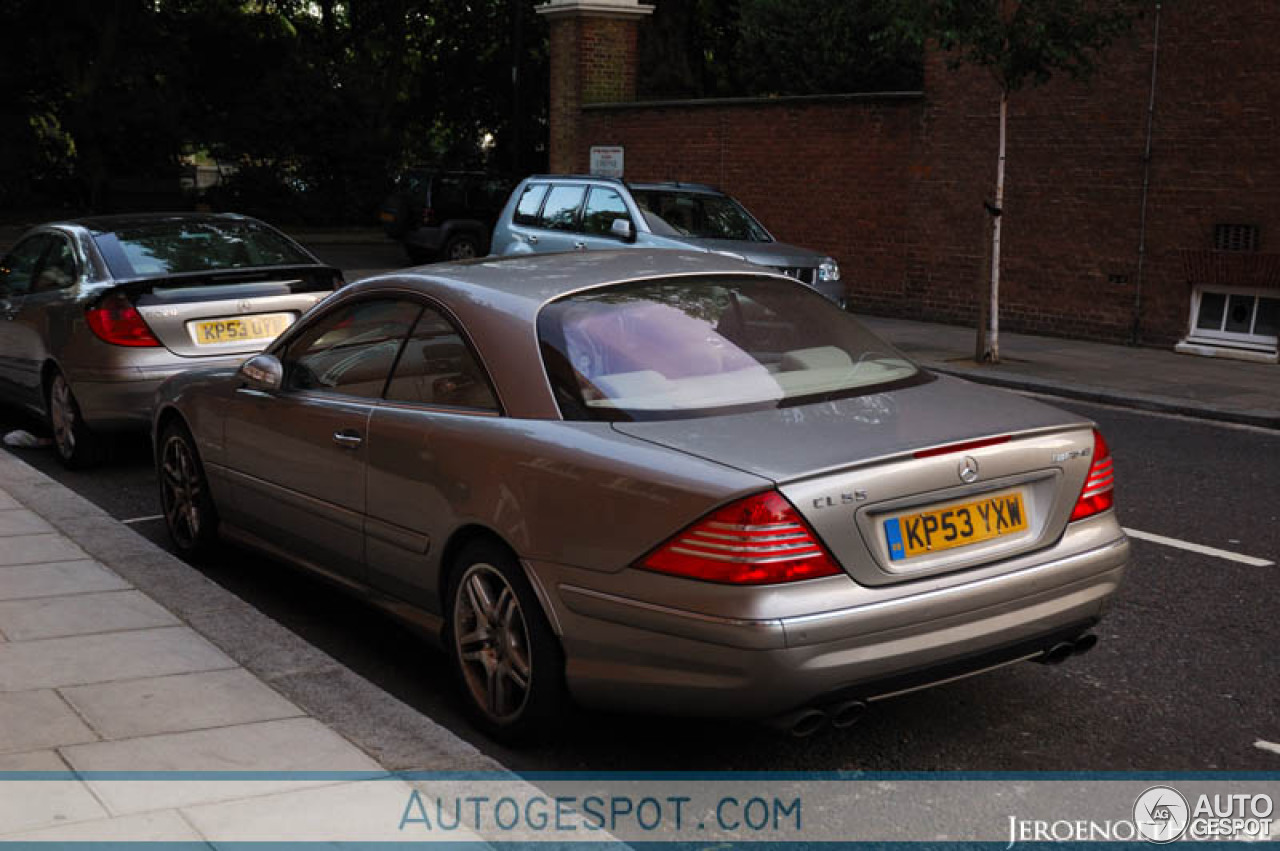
955 525
214 332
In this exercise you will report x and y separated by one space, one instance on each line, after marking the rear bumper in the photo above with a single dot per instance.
627 653
122 399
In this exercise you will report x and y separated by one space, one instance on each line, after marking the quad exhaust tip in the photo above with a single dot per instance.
1061 652
807 720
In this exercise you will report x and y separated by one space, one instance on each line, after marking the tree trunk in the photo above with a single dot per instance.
993 332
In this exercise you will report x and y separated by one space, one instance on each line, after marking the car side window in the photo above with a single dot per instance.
437 368
604 207
19 265
58 271
530 203
561 210
352 350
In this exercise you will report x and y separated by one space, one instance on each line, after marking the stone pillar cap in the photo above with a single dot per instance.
595 8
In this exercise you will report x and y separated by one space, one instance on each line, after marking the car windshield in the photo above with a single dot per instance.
700 214
690 347
163 248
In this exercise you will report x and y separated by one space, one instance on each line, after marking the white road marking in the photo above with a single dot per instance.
142 519
1198 548
1267 746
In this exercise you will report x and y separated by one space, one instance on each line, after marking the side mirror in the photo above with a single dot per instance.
623 229
263 372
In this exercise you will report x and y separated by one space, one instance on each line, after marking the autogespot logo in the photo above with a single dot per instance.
1161 814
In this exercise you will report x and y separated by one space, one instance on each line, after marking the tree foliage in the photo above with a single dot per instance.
763 48
309 105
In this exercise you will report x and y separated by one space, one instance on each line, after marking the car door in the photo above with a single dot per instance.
558 224
429 442
17 275
39 324
297 456
604 206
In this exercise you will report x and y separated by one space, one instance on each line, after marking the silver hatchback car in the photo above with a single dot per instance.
95 313
656 480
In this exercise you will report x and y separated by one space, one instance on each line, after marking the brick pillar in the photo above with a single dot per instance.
593 60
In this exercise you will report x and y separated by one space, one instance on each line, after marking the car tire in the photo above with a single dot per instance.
77 445
188 507
463 246
507 659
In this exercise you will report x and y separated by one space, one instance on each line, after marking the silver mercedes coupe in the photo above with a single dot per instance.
663 481
96 312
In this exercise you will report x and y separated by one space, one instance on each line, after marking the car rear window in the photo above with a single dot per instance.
703 346
176 247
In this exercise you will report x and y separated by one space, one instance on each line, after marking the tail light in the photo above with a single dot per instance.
116 321
1098 493
758 540
428 216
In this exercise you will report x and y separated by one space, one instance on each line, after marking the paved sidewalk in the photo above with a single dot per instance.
1148 378
115 656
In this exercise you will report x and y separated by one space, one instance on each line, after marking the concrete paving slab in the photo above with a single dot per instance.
36 804
39 719
179 703
167 826
19 521
51 580
81 660
350 812
81 614
296 744
35 549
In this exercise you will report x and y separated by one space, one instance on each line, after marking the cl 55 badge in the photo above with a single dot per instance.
1072 455
840 499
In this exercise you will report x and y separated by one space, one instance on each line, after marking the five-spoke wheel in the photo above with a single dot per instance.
184 492
506 655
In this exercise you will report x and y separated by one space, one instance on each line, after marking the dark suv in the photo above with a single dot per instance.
444 215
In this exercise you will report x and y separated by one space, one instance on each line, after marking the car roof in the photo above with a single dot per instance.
121 221
531 280
497 301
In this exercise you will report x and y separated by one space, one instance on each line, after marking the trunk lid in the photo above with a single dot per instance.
849 467
229 312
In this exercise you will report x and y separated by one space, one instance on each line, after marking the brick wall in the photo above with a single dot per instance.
893 187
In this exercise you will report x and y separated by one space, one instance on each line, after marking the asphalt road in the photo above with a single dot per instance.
1185 677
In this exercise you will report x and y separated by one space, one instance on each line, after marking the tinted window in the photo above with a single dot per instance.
561 210
449 193
530 203
666 349
604 207
437 368
20 264
58 270
170 248
702 214
350 351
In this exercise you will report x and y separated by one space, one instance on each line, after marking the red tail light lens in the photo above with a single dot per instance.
1097 495
428 216
759 540
118 322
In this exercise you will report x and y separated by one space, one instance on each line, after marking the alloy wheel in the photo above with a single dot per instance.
492 643
181 490
62 416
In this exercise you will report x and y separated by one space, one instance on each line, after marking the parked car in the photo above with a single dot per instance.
657 480
564 213
444 215
97 312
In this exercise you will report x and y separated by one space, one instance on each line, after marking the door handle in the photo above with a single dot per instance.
533 240
348 439
580 246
